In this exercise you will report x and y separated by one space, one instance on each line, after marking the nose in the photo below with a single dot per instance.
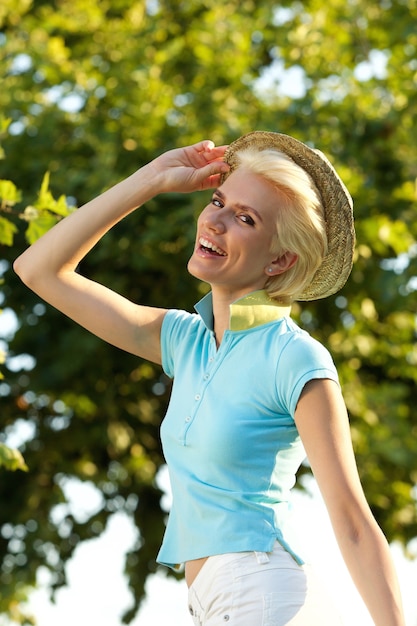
214 220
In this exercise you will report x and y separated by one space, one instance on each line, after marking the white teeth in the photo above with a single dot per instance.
211 246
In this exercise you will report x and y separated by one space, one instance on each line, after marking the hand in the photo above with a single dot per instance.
193 168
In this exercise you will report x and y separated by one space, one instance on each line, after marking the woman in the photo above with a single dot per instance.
251 390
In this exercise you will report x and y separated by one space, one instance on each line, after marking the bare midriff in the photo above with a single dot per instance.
192 568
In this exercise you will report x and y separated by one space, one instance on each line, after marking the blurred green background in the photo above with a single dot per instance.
91 91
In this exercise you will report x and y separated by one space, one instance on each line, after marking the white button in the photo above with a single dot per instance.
188 419
206 376
197 397
211 359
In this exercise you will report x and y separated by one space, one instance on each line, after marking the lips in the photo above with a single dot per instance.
208 246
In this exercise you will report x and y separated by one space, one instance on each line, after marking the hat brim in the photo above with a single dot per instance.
337 203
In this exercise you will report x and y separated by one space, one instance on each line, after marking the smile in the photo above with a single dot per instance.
210 247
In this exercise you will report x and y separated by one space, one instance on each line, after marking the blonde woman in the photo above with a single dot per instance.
252 393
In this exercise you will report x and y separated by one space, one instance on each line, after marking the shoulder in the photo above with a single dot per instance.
301 358
181 332
297 344
178 319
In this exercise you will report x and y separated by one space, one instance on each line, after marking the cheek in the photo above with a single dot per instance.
203 215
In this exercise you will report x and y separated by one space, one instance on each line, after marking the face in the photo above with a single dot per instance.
235 232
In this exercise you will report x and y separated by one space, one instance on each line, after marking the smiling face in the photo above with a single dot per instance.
235 233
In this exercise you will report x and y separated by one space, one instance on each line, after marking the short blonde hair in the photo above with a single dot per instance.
301 227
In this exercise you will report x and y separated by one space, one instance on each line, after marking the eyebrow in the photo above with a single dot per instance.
245 207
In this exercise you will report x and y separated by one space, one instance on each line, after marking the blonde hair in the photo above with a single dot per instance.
301 227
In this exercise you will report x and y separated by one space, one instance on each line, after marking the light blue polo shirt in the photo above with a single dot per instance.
229 436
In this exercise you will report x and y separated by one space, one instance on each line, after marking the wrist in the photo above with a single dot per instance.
153 179
141 186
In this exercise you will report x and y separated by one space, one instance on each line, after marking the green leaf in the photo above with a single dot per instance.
39 225
4 124
9 194
60 207
46 201
7 231
11 459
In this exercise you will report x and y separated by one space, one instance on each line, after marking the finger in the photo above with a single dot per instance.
218 151
203 146
209 149
210 174
215 153
210 146
212 182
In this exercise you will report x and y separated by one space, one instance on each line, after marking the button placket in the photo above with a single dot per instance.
189 418
213 364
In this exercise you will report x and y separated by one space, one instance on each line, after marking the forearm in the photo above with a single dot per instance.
367 556
62 248
48 266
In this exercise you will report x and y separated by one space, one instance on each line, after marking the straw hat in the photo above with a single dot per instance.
337 264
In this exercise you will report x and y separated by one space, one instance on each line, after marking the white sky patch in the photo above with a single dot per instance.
374 67
8 323
97 588
67 100
83 500
21 63
281 81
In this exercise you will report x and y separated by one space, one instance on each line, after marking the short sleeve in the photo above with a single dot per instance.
301 360
174 328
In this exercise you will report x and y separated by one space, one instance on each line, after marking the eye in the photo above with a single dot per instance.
217 202
246 219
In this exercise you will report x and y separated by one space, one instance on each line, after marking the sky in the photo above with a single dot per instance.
97 591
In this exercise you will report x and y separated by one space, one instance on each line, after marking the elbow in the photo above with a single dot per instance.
37 273
19 267
355 528
22 269
28 270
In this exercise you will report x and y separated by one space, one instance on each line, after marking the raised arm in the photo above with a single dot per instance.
48 266
322 422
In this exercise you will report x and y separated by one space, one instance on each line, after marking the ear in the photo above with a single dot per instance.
281 264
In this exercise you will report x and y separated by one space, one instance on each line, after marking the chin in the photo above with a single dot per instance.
194 269
191 268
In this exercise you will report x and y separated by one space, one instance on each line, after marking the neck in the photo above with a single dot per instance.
239 312
221 314
221 309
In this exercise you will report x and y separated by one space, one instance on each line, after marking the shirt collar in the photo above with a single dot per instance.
252 310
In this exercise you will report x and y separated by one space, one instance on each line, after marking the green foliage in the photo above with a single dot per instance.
9 196
91 91
7 231
41 216
11 459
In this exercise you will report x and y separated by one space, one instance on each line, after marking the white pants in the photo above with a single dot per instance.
259 589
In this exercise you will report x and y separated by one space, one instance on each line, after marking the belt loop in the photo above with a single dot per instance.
261 557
